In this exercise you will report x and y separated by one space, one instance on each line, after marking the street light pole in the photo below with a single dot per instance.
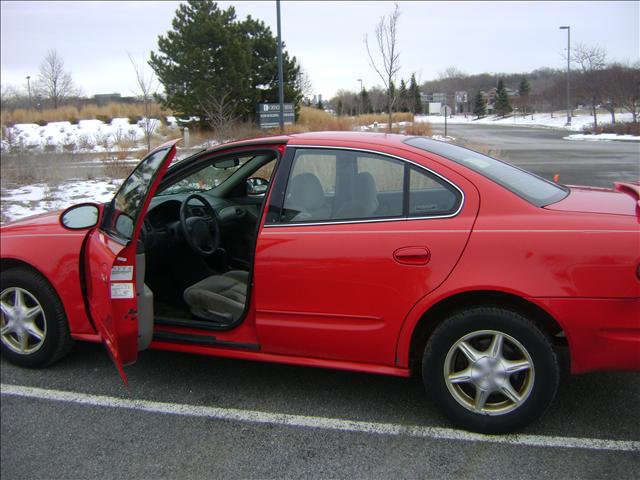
29 88
361 102
280 72
568 29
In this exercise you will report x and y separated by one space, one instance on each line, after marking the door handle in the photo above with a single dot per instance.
412 255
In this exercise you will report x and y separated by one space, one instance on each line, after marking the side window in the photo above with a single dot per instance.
429 195
311 187
326 185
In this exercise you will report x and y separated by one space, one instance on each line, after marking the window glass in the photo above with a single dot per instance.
127 203
429 195
532 188
338 185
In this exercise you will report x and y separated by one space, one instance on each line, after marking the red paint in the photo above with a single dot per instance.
350 295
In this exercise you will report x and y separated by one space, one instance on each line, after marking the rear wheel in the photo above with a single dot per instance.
33 326
490 370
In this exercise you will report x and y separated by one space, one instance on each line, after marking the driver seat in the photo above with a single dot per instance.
219 298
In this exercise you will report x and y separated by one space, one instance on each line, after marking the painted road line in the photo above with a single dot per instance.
301 421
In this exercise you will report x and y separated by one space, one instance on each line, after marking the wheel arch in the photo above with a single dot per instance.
11 263
445 307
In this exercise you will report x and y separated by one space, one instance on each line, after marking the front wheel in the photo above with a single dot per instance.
34 330
490 370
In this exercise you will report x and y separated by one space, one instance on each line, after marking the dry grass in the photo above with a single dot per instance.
312 119
421 129
71 113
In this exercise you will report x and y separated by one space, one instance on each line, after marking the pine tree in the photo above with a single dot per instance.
339 107
366 101
479 106
523 91
414 96
209 54
403 97
502 106
319 105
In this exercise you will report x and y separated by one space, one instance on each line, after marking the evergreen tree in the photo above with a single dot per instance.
502 106
319 105
209 54
523 91
414 96
366 102
339 107
403 97
479 106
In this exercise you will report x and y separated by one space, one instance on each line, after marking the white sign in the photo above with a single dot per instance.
122 290
121 273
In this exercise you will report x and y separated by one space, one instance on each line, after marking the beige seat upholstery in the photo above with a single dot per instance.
219 298
306 197
365 198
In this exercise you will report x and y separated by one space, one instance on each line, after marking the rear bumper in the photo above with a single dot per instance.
602 334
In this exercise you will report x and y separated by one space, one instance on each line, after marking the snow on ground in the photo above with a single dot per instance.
578 122
606 137
40 198
86 136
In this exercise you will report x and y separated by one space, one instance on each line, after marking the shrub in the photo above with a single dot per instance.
134 119
41 122
103 118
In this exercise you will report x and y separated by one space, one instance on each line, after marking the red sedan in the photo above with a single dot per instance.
377 253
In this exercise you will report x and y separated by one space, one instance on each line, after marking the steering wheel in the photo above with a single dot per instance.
201 234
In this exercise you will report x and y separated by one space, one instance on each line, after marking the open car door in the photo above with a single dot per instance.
110 258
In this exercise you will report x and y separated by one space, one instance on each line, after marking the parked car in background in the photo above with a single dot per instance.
376 253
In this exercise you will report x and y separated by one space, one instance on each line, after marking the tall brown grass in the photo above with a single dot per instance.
72 113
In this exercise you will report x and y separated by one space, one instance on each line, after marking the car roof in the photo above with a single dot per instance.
318 137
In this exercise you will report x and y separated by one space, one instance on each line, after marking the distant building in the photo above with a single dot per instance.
433 103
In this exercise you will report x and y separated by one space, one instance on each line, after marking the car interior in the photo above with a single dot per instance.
198 237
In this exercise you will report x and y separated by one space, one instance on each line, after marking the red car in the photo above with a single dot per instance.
376 253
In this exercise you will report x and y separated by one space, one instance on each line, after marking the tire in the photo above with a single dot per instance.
39 314
506 380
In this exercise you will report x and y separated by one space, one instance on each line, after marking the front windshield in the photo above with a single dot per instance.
208 177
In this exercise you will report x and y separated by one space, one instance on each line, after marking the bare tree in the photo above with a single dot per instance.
622 87
147 86
389 65
590 60
53 81
220 110
304 83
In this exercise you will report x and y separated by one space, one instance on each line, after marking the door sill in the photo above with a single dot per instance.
189 323
204 340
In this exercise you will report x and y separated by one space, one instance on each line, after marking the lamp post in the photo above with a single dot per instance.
280 72
568 29
361 102
29 89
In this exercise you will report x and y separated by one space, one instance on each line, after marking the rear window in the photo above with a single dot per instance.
530 187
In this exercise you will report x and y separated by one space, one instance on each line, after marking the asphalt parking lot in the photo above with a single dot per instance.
192 417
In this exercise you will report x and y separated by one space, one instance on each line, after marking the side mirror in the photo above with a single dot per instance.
79 217
257 186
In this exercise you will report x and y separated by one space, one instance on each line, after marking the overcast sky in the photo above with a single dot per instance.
93 38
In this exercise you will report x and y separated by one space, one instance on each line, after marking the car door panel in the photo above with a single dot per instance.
337 290
110 261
